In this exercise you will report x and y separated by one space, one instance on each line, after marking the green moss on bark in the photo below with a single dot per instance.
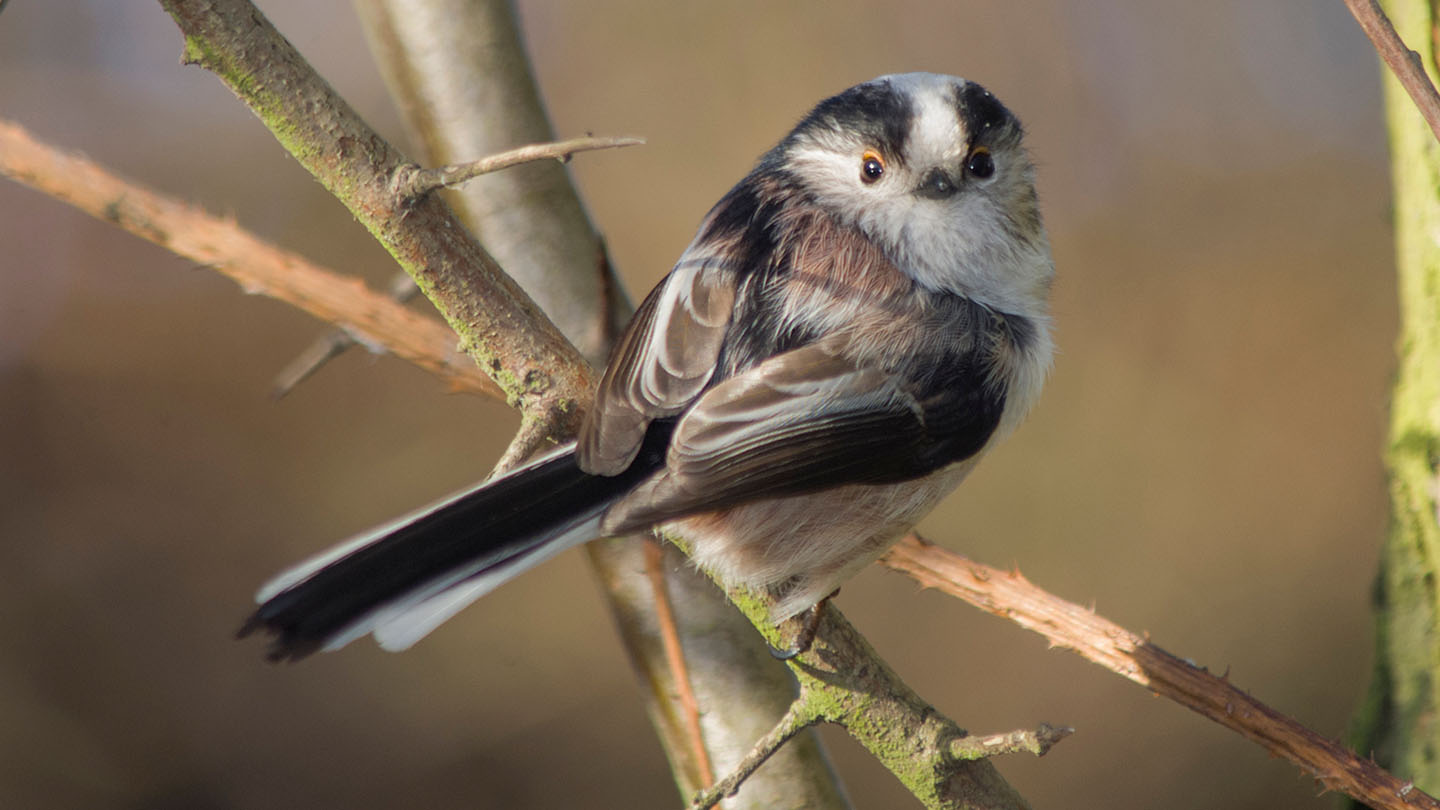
1397 721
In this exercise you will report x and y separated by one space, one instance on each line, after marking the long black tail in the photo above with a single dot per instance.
401 580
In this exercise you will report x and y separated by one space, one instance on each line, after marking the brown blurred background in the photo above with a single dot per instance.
1204 465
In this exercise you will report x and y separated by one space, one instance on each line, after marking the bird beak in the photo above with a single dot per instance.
937 184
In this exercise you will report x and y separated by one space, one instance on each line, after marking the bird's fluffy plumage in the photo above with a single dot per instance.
855 324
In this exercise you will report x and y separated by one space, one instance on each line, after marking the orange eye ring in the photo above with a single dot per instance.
872 167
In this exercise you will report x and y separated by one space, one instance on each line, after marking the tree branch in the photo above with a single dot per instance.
499 326
419 182
1404 63
675 660
798 717
460 75
1070 626
256 265
844 681
330 346
1396 721
1037 741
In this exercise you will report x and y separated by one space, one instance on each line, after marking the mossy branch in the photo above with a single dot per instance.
842 680
1397 719
499 326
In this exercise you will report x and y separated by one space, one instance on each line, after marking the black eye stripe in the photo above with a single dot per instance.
875 110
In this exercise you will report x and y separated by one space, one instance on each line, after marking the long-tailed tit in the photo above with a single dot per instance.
856 323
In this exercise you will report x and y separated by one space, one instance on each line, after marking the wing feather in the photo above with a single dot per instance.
660 365
800 422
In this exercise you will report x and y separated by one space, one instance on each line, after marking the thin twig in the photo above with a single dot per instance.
842 680
419 182
799 717
416 184
1070 626
675 659
331 345
1405 63
256 265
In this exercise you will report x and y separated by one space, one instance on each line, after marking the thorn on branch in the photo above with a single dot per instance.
413 183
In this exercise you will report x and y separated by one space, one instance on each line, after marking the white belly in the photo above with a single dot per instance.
802 548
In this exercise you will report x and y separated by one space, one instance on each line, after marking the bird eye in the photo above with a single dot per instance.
872 166
980 164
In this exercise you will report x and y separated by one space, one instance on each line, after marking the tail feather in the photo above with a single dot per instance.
403 579
399 626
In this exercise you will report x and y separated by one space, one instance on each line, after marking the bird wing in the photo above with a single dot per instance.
806 420
663 361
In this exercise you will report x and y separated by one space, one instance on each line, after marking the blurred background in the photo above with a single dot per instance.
1204 465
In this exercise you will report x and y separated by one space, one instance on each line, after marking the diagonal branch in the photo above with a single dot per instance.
499 326
844 681
1405 63
418 183
800 716
1070 626
256 265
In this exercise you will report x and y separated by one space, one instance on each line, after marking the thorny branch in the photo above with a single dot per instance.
1082 631
256 265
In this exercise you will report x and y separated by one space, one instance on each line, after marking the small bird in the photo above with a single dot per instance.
854 325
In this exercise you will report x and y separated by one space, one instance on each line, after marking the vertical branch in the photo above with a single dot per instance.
459 72
1397 722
